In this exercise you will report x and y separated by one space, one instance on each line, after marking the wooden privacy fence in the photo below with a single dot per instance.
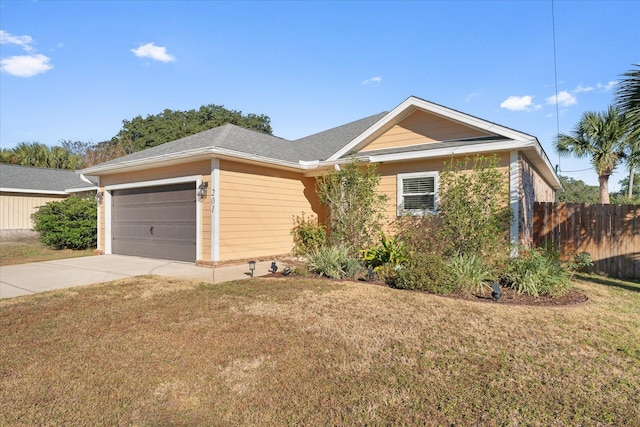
609 233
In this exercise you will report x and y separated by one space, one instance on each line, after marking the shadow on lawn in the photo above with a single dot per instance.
629 285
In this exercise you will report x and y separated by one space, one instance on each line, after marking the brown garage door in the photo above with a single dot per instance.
155 222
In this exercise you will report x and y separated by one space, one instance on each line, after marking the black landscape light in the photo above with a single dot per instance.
252 267
370 272
274 267
497 293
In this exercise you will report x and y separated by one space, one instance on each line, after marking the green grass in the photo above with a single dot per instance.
12 253
273 351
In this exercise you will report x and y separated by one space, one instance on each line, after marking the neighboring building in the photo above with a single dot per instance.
229 194
23 189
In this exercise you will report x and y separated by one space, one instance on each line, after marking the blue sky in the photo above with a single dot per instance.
74 70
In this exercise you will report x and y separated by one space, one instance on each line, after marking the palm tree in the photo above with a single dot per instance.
628 101
601 137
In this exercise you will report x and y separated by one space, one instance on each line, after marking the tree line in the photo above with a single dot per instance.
136 134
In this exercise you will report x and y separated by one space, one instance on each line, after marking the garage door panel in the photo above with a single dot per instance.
155 222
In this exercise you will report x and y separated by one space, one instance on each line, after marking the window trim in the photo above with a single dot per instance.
401 211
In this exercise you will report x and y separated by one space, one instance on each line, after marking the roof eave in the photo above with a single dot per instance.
32 191
191 155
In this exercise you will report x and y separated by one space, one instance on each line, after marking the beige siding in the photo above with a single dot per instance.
206 207
257 206
16 209
421 128
533 188
390 171
188 169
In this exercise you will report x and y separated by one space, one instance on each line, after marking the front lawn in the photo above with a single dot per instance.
275 351
12 253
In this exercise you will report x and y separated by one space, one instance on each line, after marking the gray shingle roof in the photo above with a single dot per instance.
39 179
319 146
322 145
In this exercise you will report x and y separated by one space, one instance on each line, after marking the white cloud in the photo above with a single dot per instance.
471 96
157 53
519 103
25 65
373 80
22 41
581 88
563 98
607 87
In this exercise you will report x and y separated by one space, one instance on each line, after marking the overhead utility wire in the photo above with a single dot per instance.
555 71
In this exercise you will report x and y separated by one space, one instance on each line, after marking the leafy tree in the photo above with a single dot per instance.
623 195
140 133
628 101
473 206
602 137
577 191
354 205
67 224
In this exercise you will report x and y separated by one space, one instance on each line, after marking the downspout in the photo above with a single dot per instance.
514 202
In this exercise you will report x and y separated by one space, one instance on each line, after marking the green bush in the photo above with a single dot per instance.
426 272
334 262
422 234
470 272
537 272
308 235
391 251
474 207
67 224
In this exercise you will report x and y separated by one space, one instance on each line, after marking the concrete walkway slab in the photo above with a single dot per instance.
27 279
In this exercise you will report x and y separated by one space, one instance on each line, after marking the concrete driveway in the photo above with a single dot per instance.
27 279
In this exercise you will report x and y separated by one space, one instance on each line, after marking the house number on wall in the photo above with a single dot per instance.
213 199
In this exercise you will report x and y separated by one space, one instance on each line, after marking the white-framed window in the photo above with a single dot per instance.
417 193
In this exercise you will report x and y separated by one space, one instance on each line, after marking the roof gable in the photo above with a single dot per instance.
422 127
412 105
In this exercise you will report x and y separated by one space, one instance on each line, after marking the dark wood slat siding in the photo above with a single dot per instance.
155 222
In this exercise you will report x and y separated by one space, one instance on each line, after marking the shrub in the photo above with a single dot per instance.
581 261
425 272
334 262
537 272
67 224
308 235
474 207
469 272
421 234
355 207
390 251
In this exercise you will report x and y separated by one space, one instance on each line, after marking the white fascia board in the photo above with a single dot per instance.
445 151
29 191
412 104
80 190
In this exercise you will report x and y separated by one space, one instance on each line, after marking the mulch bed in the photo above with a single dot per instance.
509 296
